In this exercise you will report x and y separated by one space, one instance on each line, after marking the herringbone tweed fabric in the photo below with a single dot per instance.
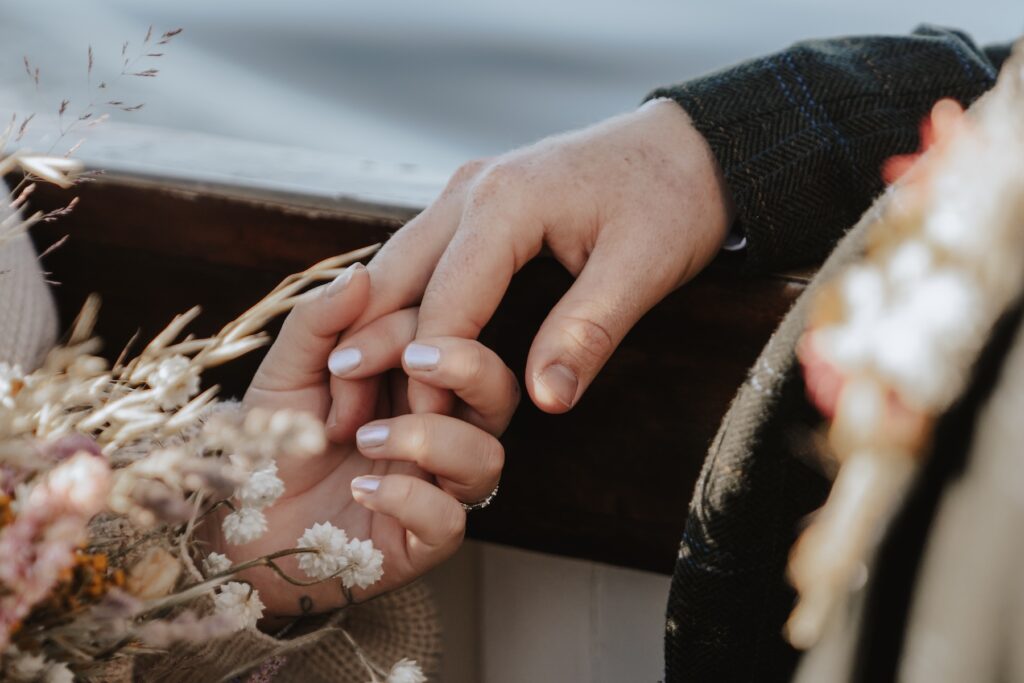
801 136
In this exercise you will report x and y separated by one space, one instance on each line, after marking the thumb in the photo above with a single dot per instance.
298 357
616 288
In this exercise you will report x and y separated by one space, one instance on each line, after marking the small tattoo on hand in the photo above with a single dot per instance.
306 604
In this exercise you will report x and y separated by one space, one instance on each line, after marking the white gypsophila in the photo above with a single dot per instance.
24 666
945 304
244 526
11 378
58 672
262 488
906 359
864 291
331 542
365 564
240 602
908 263
926 323
406 671
215 563
175 380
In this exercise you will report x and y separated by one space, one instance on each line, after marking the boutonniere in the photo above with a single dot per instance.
891 341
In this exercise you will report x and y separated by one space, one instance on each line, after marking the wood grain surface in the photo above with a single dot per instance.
610 481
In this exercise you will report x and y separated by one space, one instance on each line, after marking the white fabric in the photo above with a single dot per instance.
28 314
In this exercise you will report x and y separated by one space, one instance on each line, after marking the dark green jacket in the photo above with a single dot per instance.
801 134
801 137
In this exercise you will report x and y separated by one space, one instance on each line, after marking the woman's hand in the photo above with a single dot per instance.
401 481
633 207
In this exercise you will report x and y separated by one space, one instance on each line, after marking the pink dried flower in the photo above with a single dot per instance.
267 670
41 541
72 444
82 482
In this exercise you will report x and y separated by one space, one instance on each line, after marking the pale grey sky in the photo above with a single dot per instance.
427 83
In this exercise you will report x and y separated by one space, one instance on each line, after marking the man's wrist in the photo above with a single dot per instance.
676 128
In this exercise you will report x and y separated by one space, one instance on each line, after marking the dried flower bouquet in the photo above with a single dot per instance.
105 472
892 340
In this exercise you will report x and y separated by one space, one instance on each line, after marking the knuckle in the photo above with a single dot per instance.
494 461
467 172
589 340
417 438
487 465
501 176
472 365
406 493
451 523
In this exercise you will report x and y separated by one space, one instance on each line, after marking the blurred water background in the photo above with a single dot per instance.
425 83
303 88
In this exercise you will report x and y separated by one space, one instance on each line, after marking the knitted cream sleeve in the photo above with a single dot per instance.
28 314
400 624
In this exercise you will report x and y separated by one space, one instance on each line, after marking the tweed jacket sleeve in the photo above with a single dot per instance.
801 135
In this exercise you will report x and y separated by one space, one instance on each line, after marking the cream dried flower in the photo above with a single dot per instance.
174 380
365 564
82 483
258 436
333 556
262 488
12 378
240 602
59 673
406 671
186 627
244 526
155 575
216 563
57 170
24 666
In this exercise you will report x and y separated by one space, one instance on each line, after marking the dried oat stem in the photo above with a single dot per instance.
268 561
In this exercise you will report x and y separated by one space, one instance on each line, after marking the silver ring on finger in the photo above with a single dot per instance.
480 505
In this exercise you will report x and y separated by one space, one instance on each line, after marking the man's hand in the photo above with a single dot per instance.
401 480
633 207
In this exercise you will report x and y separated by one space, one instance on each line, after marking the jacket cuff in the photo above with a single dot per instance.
801 135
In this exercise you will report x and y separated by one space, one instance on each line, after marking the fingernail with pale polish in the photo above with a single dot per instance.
344 361
421 356
372 435
560 382
367 484
339 283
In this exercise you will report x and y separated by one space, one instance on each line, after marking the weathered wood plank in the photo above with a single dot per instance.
610 481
